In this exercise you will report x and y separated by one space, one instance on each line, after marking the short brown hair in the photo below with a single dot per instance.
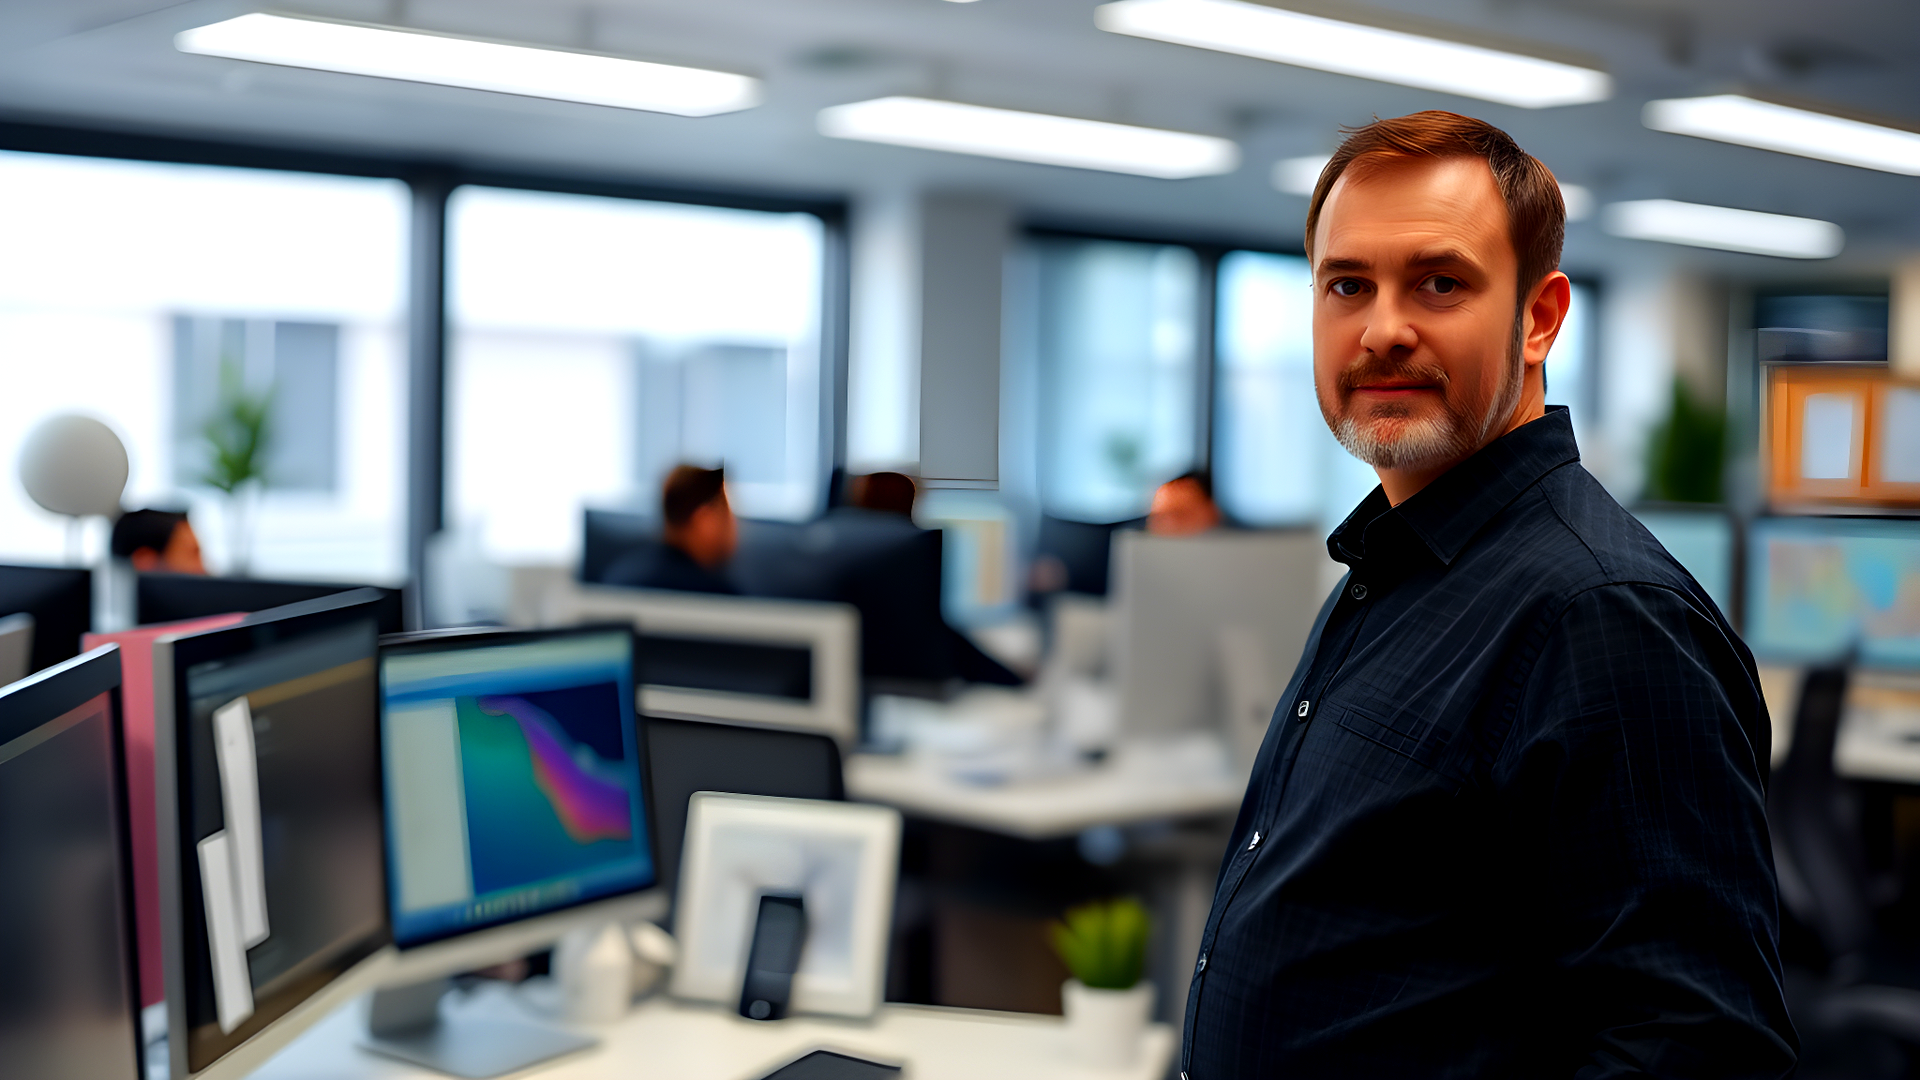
1536 215
688 488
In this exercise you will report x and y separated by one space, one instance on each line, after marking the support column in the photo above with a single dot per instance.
426 377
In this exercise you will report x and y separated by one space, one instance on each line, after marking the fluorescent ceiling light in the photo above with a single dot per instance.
1299 175
478 65
1743 120
1369 52
1725 228
1025 136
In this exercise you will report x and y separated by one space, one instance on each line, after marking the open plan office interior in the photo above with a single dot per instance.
624 539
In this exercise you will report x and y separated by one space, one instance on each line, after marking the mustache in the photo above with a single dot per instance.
1372 369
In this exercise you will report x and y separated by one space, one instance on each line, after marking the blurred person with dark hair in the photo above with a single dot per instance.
1184 506
698 539
1509 819
887 492
160 540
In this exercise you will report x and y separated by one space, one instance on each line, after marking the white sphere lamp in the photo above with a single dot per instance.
75 466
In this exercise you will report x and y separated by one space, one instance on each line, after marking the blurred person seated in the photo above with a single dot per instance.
887 492
159 540
700 537
1184 506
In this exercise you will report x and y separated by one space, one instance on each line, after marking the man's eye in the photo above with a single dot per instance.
1346 287
1442 284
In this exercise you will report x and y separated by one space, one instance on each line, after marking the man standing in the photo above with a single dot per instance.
1509 818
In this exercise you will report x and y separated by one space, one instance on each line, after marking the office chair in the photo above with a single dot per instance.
1871 984
685 756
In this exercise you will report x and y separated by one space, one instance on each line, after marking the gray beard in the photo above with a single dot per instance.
1436 440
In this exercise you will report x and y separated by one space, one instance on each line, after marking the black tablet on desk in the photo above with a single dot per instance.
828 1065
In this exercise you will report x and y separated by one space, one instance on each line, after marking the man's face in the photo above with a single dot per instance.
1414 347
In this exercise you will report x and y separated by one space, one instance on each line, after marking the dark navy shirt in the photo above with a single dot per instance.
664 566
1509 819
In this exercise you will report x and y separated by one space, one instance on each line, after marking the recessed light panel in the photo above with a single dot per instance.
410 55
1347 48
1024 136
1725 228
1763 124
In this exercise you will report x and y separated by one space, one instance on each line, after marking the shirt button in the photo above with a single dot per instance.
1301 710
1255 842
1358 592
1202 965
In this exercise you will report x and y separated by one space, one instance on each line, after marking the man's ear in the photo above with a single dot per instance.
1544 315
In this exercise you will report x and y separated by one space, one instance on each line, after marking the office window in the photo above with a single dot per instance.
1118 373
595 342
1275 462
123 285
1573 378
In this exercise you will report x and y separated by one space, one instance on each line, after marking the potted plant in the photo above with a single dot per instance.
236 436
1104 945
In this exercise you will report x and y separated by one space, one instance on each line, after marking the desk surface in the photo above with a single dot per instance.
671 1041
1044 809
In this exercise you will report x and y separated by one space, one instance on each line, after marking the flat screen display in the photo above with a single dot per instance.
513 778
1818 587
284 886
66 988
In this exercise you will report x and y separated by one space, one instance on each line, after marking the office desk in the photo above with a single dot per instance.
1123 793
671 1041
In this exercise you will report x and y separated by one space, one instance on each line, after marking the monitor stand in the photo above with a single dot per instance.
405 1023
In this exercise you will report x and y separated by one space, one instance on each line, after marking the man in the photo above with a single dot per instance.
1184 506
157 540
1508 820
699 538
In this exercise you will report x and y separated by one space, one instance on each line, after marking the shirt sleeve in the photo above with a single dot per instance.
1633 783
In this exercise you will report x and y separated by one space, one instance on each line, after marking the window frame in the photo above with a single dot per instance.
431 181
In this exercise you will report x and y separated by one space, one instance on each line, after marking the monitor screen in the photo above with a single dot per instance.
513 776
67 1003
1820 586
281 873
59 598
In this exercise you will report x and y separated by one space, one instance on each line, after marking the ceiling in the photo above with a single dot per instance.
110 63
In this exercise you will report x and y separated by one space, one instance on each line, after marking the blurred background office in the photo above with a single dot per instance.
950 364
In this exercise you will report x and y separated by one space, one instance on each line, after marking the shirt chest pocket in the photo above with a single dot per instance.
1407 733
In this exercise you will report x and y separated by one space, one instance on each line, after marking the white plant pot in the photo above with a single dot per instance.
1104 1026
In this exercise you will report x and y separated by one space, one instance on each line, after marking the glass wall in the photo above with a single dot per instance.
596 342
156 297
1119 371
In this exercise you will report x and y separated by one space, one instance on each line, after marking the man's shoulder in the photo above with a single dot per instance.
1576 536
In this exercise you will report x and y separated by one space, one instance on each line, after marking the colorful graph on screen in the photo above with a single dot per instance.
544 790
1851 586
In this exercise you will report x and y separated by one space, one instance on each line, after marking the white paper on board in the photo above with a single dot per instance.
232 982
240 789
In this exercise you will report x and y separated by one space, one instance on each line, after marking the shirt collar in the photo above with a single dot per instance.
1449 512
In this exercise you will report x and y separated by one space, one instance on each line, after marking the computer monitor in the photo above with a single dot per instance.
1701 540
788 663
268 798
517 809
69 1004
16 647
160 598
606 535
60 599
1083 549
1820 587
685 756
1177 600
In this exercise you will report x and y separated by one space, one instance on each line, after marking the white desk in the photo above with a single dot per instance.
1122 793
671 1041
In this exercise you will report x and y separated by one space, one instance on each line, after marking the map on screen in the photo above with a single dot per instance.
1821 586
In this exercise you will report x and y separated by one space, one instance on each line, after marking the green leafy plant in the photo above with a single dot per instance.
1686 453
1104 944
237 433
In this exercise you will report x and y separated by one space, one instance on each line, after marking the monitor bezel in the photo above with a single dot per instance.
474 946
50 694
361 965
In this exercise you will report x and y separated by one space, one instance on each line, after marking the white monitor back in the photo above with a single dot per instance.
16 648
1191 614
830 632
